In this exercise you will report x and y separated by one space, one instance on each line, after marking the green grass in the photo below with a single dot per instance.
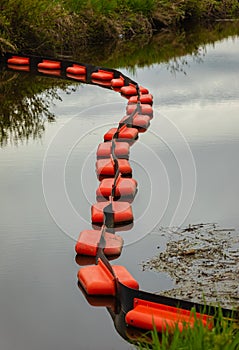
44 26
224 336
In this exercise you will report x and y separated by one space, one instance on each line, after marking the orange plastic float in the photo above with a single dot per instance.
77 77
125 134
49 64
146 98
76 69
106 167
102 75
19 60
121 212
55 72
117 82
88 243
139 121
125 188
121 150
98 280
144 109
23 68
131 90
146 315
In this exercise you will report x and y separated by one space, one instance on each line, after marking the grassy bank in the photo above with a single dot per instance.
43 26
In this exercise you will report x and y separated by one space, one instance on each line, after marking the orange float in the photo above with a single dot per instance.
19 60
77 77
147 315
55 72
105 167
76 69
49 64
121 150
98 280
131 90
124 134
117 82
121 212
146 98
138 121
144 109
89 240
23 68
102 75
124 188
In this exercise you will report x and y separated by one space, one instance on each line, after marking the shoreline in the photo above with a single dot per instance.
60 26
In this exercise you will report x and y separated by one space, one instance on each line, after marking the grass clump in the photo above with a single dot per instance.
223 336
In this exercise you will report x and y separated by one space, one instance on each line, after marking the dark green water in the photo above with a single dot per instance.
186 166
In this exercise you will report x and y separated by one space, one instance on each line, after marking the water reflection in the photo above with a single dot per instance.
24 105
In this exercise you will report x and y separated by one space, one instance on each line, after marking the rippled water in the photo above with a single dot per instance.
187 160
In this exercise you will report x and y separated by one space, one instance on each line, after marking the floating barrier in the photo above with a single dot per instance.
125 134
113 212
125 188
106 168
147 315
76 69
138 121
144 99
18 60
118 212
89 241
98 280
131 90
144 109
49 64
117 82
105 150
102 75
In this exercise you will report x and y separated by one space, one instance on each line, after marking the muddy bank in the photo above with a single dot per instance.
203 260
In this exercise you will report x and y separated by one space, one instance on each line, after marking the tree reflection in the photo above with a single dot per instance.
24 105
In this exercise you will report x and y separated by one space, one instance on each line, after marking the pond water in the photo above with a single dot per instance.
187 168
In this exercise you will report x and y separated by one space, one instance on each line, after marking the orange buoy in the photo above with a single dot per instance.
147 315
125 134
102 75
125 188
117 82
88 243
146 98
105 167
19 60
23 68
101 82
139 121
76 69
55 72
49 64
77 77
121 212
144 109
131 90
105 150
98 280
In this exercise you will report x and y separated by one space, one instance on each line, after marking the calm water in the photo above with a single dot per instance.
187 169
